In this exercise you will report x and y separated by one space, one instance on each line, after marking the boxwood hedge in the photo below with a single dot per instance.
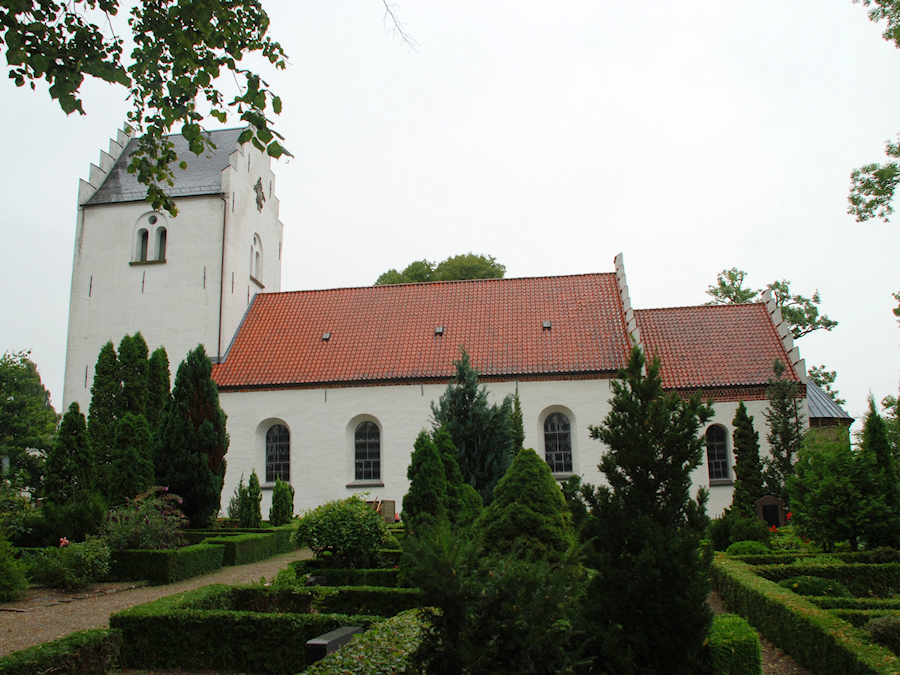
90 652
166 566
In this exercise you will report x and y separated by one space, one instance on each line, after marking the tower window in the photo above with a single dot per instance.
161 243
256 261
143 244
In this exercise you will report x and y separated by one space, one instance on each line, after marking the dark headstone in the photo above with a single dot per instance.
320 647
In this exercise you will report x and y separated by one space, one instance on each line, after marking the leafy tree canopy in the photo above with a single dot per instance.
27 419
801 313
454 268
824 379
180 48
872 187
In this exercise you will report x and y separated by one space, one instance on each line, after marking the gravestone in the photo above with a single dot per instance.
770 509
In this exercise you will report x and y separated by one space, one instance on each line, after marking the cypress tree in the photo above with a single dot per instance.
425 505
481 432
648 601
131 465
881 468
528 516
103 411
748 486
133 374
253 513
463 503
70 462
785 436
159 387
190 446
282 509
516 424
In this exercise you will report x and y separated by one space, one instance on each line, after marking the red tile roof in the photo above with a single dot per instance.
712 345
387 333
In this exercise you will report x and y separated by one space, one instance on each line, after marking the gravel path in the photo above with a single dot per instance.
45 614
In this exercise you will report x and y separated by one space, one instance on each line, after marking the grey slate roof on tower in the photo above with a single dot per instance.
821 406
203 175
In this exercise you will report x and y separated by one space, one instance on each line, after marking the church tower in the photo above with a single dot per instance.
181 281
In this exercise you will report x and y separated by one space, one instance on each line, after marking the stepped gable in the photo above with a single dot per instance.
203 175
389 334
713 345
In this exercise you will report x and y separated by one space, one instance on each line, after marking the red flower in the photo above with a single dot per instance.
788 515
773 529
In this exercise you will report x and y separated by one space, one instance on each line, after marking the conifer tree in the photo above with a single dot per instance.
425 505
251 516
159 387
133 374
103 411
748 486
282 510
190 447
131 467
516 424
70 462
463 503
481 432
881 467
648 600
528 516
785 436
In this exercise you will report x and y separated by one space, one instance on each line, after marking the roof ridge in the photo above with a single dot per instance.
704 305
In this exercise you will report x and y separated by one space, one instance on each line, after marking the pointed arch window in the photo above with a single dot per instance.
717 454
367 440
558 443
278 453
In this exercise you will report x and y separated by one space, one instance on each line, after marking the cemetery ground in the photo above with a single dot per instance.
45 614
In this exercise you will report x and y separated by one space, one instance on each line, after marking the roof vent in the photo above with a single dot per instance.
326 336
547 325
438 330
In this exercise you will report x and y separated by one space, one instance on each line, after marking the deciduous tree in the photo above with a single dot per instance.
648 600
824 379
189 453
180 49
458 267
27 419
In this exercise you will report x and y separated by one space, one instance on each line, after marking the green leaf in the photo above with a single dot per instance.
245 136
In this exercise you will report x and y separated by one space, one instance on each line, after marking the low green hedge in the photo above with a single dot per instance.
90 652
348 577
165 567
860 617
386 647
734 647
387 559
880 604
861 579
241 549
814 637
865 557
283 541
171 633
372 600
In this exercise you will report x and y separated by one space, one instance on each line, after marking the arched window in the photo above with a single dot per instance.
558 443
161 243
278 453
717 453
368 451
256 267
143 245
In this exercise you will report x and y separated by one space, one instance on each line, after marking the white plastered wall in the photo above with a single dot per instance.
322 421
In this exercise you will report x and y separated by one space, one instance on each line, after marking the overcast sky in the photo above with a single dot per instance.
692 136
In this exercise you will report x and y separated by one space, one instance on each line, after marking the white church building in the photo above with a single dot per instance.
328 389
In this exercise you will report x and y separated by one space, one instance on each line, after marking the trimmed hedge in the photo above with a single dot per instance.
166 566
90 652
814 637
861 579
241 549
386 647
348 577
734 647
388 559
283 541
171 633
860 617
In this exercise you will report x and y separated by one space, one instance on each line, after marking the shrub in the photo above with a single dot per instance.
425 505
282 510
885 630
529 513
816 586
386 647
90 652
151 521
250 514
76 520
737 525
734 647
884 554
70 566
747 548
348 530
12 574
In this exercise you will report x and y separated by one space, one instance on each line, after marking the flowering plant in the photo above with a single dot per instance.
151 520
63 542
